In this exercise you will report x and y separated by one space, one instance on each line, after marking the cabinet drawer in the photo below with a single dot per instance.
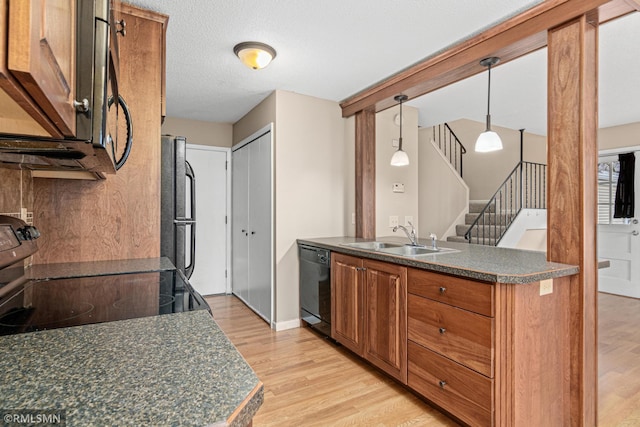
461 335
463 293
461 391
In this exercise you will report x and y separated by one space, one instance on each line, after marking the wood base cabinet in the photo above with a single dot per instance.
490 354
368 311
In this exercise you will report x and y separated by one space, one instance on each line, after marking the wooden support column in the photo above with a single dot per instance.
572 159
366 174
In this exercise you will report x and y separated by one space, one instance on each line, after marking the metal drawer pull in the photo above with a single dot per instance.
361 269
442 290
442 331
442 384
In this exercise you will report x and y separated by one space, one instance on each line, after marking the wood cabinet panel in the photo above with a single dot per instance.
119 217
459 390
347 302
458 334
463 293
386 317
41 56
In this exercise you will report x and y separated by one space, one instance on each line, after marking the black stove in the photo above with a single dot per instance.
72 294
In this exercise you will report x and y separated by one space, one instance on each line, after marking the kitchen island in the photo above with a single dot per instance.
481 332
487 263
174 369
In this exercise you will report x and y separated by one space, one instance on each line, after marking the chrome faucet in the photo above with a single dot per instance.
434 245
411 234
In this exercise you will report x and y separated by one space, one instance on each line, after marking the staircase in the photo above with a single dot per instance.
475 207
488 220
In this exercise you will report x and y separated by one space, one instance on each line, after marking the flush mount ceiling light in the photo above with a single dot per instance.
488 140
400 158
254 55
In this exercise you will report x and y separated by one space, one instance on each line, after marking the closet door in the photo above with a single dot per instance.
240 223
260 242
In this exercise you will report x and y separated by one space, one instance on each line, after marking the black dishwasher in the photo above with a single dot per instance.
315 288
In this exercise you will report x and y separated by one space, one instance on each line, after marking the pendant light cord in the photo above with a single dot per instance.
489 91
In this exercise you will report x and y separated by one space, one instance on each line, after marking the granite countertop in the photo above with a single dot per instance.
175 369
476 262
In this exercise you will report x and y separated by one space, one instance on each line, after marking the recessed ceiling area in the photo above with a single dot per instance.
334 49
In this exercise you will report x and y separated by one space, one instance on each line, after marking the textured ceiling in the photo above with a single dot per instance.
332 49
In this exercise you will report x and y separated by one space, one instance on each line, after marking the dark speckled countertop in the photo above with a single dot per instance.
477 262
170 370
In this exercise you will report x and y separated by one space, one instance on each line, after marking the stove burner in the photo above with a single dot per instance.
28 317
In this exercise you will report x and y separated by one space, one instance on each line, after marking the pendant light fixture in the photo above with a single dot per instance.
488 140
254 55
400 157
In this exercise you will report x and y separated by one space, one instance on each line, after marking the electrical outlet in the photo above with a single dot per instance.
408 219
393 221
546 287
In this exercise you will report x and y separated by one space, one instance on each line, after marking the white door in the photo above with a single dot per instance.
209 166
252 223
618 239
260 225
240 223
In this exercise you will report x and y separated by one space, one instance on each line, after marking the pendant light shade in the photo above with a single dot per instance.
488 140
400 157
254 55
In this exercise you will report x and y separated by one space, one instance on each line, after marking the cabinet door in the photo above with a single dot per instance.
41 56
260 248
347 301
240 224
386 317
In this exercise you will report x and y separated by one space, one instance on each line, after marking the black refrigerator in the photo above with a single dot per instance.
177 205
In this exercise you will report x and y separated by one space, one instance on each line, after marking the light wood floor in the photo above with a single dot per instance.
311 382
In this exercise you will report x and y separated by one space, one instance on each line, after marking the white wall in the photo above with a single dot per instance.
349 153
199 132
310 177
619 136
528 231
443 197
387 202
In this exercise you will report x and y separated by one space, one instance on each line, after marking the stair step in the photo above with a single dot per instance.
487 230
489 218
459 239
476 206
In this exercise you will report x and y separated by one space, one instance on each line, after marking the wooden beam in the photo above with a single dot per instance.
366 174
518 36
572 158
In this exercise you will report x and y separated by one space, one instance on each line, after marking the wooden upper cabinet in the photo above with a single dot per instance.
41 57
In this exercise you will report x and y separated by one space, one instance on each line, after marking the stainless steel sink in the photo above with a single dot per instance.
408 250
373 246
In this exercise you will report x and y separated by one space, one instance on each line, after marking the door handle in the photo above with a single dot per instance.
635 233
635 221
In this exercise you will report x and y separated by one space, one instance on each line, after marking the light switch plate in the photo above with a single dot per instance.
546 287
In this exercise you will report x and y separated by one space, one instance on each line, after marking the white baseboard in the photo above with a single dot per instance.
287 324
